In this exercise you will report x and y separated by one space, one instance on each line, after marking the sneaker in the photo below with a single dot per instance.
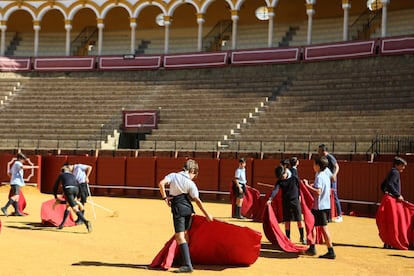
60 227
4 210
311 251
17 214
328 256
78 222
338 219
303 241
184 269
239 217
88 226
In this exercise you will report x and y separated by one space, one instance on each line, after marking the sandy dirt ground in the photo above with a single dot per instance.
125 244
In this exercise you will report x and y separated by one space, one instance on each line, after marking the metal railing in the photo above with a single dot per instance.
392 144
379 145
268 146
365 24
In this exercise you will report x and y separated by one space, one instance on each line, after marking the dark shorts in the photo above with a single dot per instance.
320 217
70 195
83 192
236 190
182 224
292 210
14 190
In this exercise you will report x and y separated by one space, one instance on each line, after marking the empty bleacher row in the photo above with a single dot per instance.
182 40
266 108
349 102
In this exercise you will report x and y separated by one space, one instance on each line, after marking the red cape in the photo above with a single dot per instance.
275 235
21 204
214 243
395 221
54 216
251 203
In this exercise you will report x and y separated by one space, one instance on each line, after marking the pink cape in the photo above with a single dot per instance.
54 216
395 221
214 243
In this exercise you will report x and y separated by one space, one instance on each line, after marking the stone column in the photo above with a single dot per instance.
310 12
3 28
101 27
270 12
200 22
384 17
36 28
68 28
346 5
167 23
133 25
234 18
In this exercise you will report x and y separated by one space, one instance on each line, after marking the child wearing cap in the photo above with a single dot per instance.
16 175
239 187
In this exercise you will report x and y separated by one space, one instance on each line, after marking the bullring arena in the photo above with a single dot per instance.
135 88
126 244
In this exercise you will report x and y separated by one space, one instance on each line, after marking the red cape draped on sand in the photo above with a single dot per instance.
214 243
275 235
54 216
255 207
395 221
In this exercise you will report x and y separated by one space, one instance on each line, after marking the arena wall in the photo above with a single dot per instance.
139 176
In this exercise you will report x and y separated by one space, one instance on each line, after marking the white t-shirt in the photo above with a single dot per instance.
17 173
181 183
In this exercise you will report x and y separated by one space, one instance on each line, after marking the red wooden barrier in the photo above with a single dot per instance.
110 171
8 64
4 159
64 63
51 166
397 45
358 181
264 171
140 172
208 176
133 63
195 60
265 56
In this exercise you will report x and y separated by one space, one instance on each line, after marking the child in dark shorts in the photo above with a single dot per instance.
239 187
321 205
182 190
290 200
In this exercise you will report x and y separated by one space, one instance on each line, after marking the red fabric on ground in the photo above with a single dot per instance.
395 221
165 258
21 204
54 216
251 203
306 205
214 243
275 235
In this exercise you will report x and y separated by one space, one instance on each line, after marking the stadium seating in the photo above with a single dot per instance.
338 101
400 22
269 108
50 44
